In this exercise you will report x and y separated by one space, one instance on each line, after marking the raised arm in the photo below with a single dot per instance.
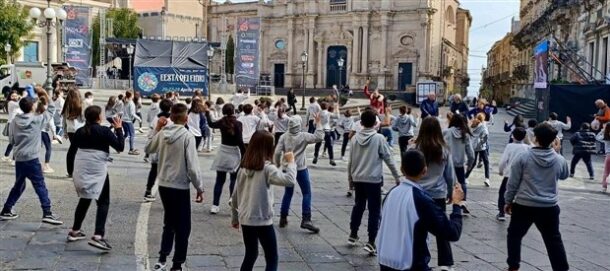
275 176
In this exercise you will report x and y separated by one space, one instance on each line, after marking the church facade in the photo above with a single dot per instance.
395 43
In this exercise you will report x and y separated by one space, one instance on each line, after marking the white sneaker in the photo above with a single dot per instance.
48 170
487 182
445 268
5 159
343 159
54 142
215 209
12 162
466 181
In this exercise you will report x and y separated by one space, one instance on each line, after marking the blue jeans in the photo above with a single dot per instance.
130 132
387 133
221 177
46 141
305 185
59 131
33 171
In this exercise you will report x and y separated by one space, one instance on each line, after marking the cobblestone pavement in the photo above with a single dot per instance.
134 228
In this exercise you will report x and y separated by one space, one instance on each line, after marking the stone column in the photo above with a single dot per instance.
321 71
311 56
290 49
385 22
365 46
355 48
261 54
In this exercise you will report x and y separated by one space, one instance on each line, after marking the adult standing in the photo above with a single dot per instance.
291 98
376 99
602 117
459 106
429 107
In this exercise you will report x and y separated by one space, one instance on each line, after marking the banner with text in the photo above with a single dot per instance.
150 80
78 43
541 56
246 53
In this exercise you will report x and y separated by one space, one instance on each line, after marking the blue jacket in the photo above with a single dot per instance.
408 215
488 110
428 108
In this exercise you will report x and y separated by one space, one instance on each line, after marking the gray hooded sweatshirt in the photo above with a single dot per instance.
405 125
24 134
533 178
296 142
369 150
480 135
178 161
439 177
461 149
252 199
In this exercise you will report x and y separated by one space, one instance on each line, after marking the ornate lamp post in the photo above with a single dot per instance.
210 55
130 50
304 59
53 18
340 63
7 49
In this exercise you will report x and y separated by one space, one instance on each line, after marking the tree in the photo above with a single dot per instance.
124 25
15 25
230 56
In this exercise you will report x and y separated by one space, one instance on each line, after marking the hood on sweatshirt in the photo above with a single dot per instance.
294 124
455 132
173 132
24 122
365 135
544 157
476 130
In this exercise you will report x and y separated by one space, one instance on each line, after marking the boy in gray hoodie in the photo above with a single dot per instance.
25 135
178 167
531 197
296 141
369 150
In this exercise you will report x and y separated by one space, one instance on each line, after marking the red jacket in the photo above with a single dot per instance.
375 103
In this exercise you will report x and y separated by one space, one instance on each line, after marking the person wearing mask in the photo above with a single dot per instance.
296 142
458 138
24 134
511 151
72 119
404 228
91 179
438 179
230 152
429 106
312 110
583 146
129 117
369 151
178 168
531 198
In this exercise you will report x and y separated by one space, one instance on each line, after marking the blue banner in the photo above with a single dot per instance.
78 42
541 57
150 80
246 53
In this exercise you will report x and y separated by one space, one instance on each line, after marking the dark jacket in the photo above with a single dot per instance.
98 137
428 108
226 137
488 110
583 142
291 98
461 106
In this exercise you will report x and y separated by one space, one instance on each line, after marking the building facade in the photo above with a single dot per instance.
35 44
498 80
394 43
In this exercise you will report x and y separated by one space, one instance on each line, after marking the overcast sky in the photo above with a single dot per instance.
490 22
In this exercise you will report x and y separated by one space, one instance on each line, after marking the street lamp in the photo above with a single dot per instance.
210 55
53 18
340 63
130 53
7 49
304 57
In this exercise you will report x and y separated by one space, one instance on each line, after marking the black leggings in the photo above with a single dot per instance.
152 176
266 235
198 141
344 145
103 203
71 155
485 158
403 143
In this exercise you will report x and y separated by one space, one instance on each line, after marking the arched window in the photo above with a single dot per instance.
450 15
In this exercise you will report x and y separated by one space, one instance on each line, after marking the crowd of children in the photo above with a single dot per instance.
261 145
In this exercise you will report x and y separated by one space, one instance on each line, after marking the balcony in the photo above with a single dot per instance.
338 5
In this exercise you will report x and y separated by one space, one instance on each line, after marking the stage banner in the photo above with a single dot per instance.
541 56
247 53
78 43
150 80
